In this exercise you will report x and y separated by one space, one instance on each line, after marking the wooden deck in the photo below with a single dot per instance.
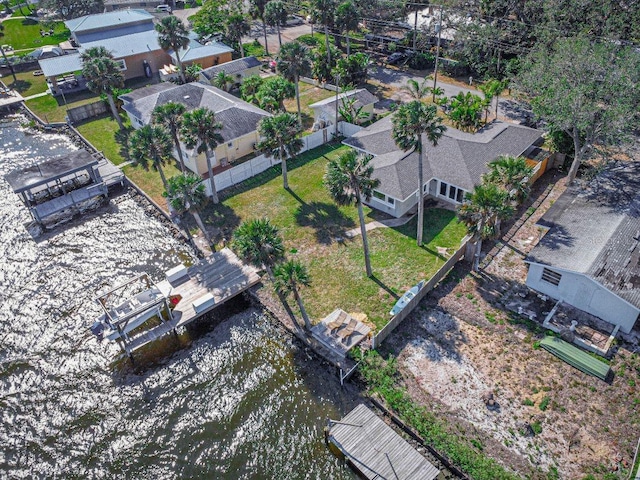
375 450
333 332
222 275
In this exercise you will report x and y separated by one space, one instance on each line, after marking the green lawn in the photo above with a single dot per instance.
52 109
27 83
314 228
308 96
25 33
103 133
254 49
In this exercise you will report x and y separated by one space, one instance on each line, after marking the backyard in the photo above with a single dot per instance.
24 33
27 83
308 96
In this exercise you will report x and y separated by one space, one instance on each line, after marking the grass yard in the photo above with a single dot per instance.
254 49
27 83
52 109
308 96
25 33
104 134
149 180
314 228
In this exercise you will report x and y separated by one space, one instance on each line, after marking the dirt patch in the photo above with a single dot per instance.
462 344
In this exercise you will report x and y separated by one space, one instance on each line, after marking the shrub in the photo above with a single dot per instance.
544 403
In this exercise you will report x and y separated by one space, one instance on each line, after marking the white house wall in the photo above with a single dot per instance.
586 294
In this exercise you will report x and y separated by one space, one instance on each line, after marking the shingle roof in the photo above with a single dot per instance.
107 20
232 67
362 96
238 117
596 232
459 158
196 51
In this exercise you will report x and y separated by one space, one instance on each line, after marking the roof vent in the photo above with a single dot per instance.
186 97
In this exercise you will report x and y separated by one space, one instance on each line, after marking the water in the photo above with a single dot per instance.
238 402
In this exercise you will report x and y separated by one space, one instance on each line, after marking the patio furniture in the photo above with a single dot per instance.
337 322
346 332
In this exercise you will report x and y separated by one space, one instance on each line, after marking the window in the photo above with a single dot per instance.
378 195
452 192
121 64
460 196
443 189
391 201
230 144
551 277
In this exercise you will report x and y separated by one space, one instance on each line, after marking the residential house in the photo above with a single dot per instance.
324 111
239 119
450 169
589 254
237 69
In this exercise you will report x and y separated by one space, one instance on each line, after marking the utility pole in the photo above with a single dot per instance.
415 31
435 73
337 91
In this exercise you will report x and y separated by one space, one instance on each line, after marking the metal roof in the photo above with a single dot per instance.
107 20
52 67
234 66
123 46
196 51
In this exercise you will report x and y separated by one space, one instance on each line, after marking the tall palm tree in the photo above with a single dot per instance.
280 136
186 193
418 91
290 277
200 130
512 174
482 212
169 116
103 75
223 81
410 122
275 14
4 56
322 12
151 142
236 27
257 10
259 243
173 35
348 179
492 89
294 61
347 20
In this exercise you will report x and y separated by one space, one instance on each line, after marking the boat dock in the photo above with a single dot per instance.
374 450
199 288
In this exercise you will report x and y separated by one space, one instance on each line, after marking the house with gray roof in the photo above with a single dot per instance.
324 111
238 69
450 169
589 256
239 119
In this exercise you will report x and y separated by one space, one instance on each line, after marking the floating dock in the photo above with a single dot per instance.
374 450
200 289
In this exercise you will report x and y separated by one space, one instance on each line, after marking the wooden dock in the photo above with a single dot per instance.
222 275
375 450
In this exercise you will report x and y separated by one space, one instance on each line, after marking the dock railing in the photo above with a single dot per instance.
377 339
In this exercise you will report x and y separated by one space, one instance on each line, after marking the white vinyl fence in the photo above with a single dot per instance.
257 165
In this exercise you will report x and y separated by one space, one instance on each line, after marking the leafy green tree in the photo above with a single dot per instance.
352 69
169 116
418 91
323 63
173 35
293 62
200 130
280 139
347 19
273 92
103 76
348 179
4 55
275 14
512 174
482 212
151 143
259 243
411 122
192 72
68 9
323 12
223 81
250 87
258 8
587 89
212 17
186 193
351 112
466 110
492 89
236 26
290 277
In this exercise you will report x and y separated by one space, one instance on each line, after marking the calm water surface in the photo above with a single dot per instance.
238 402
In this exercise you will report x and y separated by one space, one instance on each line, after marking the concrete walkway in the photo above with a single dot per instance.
390 223
37 95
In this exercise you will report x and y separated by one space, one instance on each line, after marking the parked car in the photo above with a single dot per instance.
396 58
294 20
163 8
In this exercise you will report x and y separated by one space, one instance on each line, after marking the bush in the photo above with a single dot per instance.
422 61
544 404
308 39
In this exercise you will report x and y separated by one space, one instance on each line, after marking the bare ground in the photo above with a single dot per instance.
461 344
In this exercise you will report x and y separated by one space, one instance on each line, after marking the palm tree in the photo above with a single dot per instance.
259 243
281 140
4 56
290 276
250 87
275 14
323 13
223 81
418 91
347 19
169 116
410 122
492 89
150 142
186 193
200 130
512 174
103 75
173 35
351 112
466 110
482 212
237 27
348 179
294 61
257 11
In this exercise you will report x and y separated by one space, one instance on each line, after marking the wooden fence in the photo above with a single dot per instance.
433 281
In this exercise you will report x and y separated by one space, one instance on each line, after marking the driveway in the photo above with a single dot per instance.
288 34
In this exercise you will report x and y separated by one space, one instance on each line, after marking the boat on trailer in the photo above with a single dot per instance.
406 298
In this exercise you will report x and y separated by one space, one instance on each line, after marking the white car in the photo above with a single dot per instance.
163 8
